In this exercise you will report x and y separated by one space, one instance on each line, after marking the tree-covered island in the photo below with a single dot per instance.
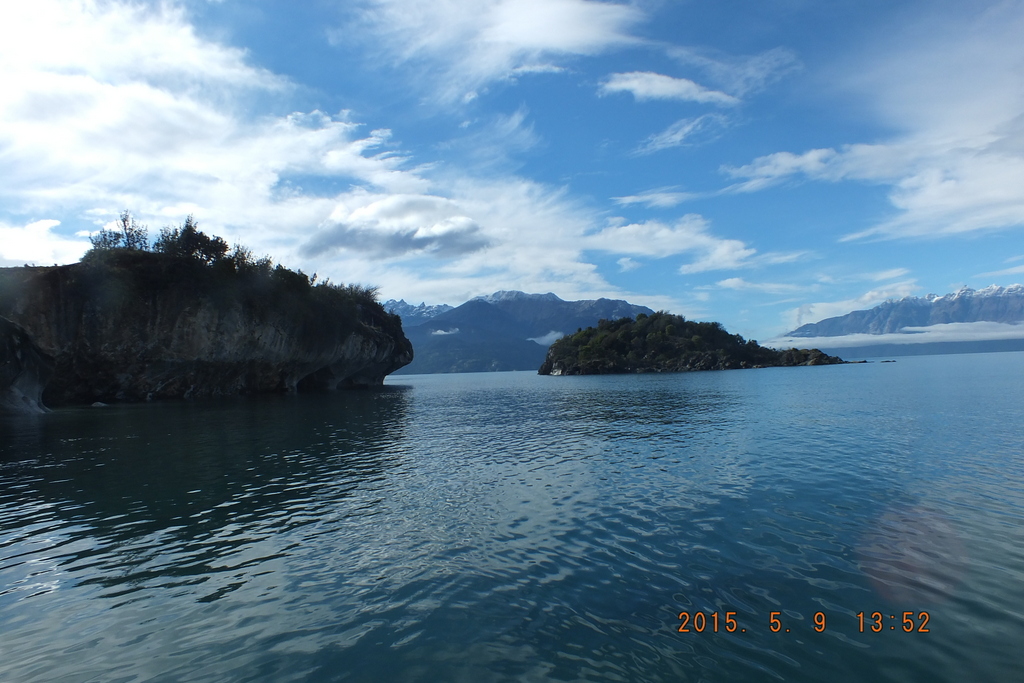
664 342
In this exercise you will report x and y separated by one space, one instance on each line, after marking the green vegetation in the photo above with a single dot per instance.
663 342
194 264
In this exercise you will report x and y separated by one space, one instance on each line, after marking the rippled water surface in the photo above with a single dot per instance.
499 527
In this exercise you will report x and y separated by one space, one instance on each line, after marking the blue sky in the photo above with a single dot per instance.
762 163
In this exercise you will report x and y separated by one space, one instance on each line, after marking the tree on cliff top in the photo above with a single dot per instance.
128 235
188 241
185 242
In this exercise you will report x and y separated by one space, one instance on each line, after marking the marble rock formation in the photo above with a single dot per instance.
24 371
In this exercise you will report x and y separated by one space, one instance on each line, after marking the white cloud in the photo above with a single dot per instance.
955 92
119 43
627 264
654 238
725 255
534 235
474 42
740 284
109 106
963 191
816 312
657 199
36 243
769 170
1013 270
876 276
688 235
937 189
740 74
891 274
774 258
943 332
548 339
394 225
682 132
538 69
646 85
492 145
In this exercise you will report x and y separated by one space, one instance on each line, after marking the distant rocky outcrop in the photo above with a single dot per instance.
663 342
131 324
24 371
507 330
991 304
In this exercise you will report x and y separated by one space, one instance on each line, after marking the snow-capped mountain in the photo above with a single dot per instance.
992 304
966 321
515 295
414 315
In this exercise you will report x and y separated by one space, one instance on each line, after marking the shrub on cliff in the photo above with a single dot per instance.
193 264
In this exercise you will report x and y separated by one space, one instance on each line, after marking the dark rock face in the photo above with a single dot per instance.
24 371
692 363
793 357
116 332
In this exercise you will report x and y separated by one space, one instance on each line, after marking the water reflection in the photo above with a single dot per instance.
138 494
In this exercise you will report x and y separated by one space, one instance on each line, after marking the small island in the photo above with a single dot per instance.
664 342
184 316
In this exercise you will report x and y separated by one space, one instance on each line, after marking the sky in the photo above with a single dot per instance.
762 163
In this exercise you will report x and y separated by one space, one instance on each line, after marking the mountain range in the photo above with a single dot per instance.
991 304
968 320
414 315
507 330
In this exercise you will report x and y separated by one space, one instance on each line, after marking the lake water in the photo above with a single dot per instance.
511 527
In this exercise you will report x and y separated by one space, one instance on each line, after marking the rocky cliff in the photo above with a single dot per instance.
24 371
137 325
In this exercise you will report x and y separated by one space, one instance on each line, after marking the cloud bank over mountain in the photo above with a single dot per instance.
968 315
